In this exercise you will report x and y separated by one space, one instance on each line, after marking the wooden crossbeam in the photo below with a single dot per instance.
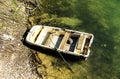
65 38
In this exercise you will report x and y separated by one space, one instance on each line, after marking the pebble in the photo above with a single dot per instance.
6 37
18 44
3 47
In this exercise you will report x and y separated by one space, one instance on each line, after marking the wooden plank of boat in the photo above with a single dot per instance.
81 43
33 34
50 38
40 39
65 38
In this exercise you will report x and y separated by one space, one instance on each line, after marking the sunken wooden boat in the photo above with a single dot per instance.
63 40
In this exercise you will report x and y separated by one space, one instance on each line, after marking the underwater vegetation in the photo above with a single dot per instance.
100 17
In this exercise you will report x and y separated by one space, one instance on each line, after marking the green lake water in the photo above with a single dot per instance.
102 18
103 62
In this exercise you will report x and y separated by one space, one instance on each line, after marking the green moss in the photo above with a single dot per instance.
71 21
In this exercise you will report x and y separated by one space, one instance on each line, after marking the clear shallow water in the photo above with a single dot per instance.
103 62
102 18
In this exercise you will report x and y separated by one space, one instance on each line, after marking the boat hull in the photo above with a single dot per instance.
60 40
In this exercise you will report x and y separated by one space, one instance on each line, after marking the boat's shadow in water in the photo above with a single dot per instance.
53 52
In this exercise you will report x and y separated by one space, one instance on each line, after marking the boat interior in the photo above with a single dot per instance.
61 39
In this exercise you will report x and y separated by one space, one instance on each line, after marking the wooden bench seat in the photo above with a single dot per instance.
65 38
81 43
41 38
